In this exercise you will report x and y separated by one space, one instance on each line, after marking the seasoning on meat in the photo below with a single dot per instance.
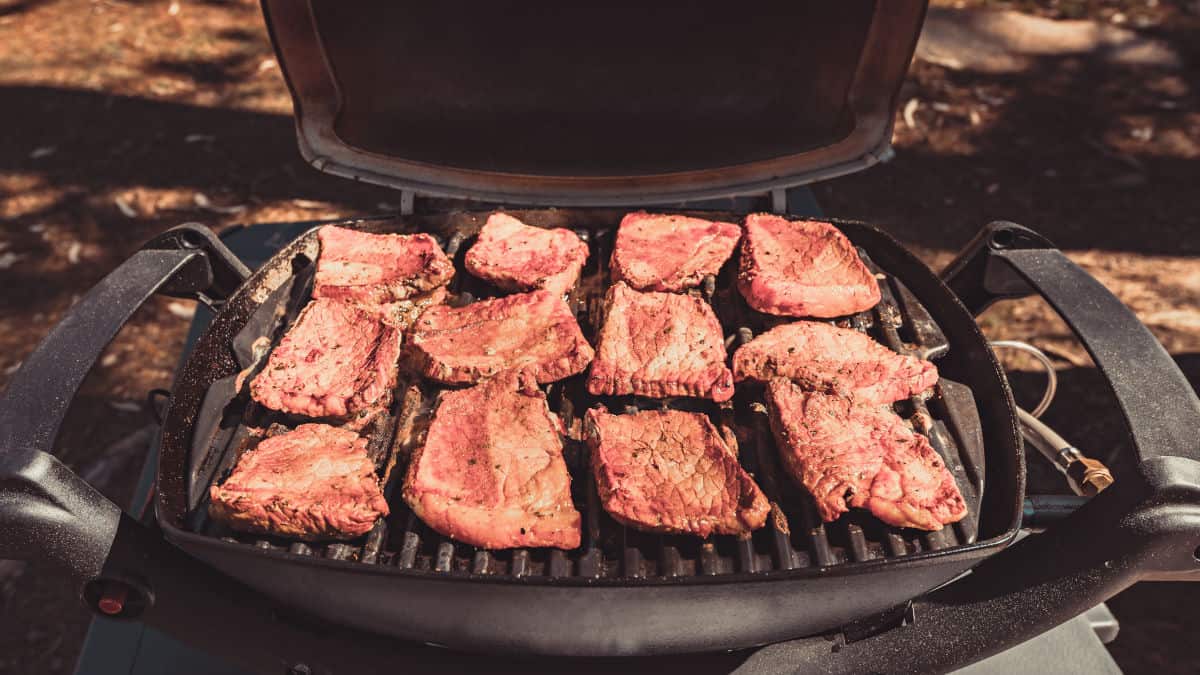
802 268
671 471
337 360
838 360
533 331
402 313
863 456
491 472
519 257
670 253
315 482
378 268
659 345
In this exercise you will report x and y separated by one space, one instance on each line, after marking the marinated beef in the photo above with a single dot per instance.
337 360
315 482
671 471
802 268
838 360
519 257
670 253
378 268
491 472
863 456
659 345
533 331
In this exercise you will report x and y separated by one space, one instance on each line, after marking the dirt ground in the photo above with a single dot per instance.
124 118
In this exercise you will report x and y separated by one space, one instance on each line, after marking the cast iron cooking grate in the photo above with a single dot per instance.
793 538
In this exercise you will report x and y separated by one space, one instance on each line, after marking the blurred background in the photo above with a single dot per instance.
121 118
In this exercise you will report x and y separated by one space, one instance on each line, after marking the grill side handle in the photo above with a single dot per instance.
1160 408
48 514
1145 527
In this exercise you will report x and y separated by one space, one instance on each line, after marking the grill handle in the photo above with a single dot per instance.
48 513
1145 527
1160 407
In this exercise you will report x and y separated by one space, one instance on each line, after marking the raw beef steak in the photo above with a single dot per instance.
519 257
378 268
315 482
337 360
671 471
670 253
849 455
535 331
659 345
839 360
802 268
491 472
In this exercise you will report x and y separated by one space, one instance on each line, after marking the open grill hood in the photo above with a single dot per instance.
551 103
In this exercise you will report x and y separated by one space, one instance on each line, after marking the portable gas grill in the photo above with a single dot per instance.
646 107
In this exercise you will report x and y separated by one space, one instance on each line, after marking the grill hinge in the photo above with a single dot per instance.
407 198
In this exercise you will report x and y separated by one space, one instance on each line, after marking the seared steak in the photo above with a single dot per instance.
851 455
337 360
670 471
670 253
315 482
534 331
839 360
378 268
659 345
518 257
491 472
802 268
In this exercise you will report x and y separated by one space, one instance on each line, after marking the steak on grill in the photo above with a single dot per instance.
378 268
315 482
850 455
838 360
519 257
337 360
659 345
671 471
491 472
535 330
802 268
670 253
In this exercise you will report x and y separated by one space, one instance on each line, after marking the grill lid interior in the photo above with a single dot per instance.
553 103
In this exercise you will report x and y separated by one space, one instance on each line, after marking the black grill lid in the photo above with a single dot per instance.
621 104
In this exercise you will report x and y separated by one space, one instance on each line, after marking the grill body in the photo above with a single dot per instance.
623 592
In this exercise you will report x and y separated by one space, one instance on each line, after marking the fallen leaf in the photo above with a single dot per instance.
181 310
8 259
44 151
125 207
201 200
308 204
125 406
910 111
73 252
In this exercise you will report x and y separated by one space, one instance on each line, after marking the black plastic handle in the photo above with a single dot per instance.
47 513
1145 527
1160 407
